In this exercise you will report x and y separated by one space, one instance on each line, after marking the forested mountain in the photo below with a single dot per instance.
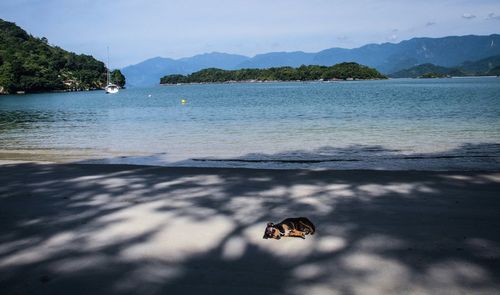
387 57
482 67
30 64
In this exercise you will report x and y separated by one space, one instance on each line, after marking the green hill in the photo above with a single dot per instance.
342 71
427 70
30 64
483 67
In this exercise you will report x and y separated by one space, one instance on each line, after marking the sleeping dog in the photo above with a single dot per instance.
290 227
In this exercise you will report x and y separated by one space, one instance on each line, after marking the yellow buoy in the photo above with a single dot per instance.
183 101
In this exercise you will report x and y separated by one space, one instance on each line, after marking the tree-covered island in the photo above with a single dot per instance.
30 64
341 71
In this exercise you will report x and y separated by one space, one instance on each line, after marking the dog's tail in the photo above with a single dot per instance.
308 224
313 228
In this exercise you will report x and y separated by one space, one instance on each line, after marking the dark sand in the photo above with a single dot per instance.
110 229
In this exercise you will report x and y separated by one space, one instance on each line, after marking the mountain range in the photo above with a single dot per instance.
388 58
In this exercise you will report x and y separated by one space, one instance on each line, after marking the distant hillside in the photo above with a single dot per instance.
482 66
278 59
30 64
386 57
342 71
486 66
389 58
150 71
421 70
216 59
495 71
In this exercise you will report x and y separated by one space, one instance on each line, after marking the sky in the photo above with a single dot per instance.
136 30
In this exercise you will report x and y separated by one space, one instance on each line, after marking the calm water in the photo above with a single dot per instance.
395 124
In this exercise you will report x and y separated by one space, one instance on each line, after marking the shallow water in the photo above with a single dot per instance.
437 124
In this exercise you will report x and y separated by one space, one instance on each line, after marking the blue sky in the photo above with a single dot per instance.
136 30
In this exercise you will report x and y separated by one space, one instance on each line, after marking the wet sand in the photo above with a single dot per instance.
118 229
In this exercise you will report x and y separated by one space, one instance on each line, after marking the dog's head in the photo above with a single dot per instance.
271 232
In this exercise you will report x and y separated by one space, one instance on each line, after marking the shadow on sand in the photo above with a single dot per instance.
482 156
102 229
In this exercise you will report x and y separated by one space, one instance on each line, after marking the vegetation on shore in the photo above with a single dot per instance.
342 71
118 78
30 64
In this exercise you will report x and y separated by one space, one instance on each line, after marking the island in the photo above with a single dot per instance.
29 64
341 71
489 66
427 71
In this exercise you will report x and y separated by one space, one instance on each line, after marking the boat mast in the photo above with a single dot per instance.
107 69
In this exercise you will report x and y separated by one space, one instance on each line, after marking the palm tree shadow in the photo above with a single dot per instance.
482 156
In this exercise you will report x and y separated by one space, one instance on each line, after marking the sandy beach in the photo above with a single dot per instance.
116 229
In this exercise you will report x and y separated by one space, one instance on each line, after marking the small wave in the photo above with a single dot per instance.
276 160
444 157
313 161
7 119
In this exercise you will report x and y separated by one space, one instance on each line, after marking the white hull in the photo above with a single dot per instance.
111 89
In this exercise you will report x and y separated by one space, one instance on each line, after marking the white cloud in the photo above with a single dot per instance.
430 24
392 37
493 16
468 16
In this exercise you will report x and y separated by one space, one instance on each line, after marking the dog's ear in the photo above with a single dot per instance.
270 224
265 237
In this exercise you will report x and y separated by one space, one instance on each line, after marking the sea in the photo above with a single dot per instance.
396 124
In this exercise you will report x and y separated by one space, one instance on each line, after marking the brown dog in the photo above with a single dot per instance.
290 227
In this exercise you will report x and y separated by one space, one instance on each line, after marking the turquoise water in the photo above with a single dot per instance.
394 124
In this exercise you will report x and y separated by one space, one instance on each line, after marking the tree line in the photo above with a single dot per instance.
341 71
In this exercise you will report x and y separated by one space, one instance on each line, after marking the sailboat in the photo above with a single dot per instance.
110 87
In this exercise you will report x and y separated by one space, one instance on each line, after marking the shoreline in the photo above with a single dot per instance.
271 81
397 162
120 229
54 91
318 81
21 92
90 163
